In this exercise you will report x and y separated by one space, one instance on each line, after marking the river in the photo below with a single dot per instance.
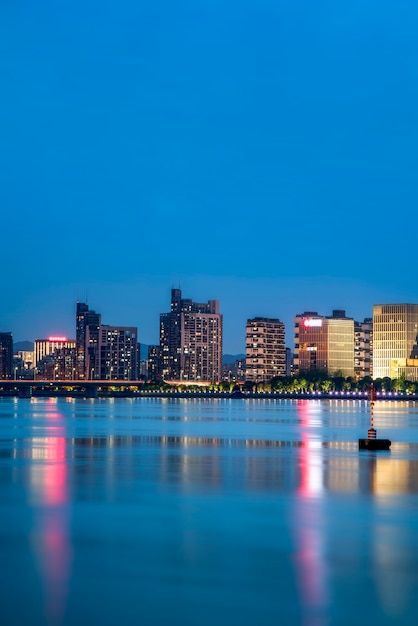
207 512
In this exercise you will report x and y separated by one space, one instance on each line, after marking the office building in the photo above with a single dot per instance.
48 347
324 344
395 328
191 340
265 349
55 358
6 356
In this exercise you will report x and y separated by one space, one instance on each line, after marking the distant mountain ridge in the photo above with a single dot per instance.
227 359
231 358
23 346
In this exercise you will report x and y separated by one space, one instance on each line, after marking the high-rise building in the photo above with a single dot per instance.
6 355
363 348
191 340
104 352
47 347
117 353
154 363
395 329
87 339
265 349
324 344
55 358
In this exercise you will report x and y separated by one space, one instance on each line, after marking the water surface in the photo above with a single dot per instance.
196 511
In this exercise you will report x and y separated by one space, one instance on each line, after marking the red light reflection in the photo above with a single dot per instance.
50 486
309 526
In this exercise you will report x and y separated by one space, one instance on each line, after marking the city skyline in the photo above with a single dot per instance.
263 156
289 326
191 346
57 328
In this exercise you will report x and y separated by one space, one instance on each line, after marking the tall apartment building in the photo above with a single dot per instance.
87 338
154 363
6 355
265 349
104 352
191 340
395 329
324 344
117 354
363 348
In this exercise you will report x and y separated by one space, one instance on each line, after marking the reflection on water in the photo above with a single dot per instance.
257 464
308 523
238 512
48 490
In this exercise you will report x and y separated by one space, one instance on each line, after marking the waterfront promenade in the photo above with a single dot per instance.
132 389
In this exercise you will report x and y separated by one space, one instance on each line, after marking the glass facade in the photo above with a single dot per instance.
324 344
395 328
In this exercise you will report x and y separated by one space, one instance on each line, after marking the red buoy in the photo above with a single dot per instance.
371 433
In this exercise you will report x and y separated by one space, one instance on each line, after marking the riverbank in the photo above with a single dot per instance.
52 391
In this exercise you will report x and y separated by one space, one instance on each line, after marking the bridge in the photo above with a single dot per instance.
86 388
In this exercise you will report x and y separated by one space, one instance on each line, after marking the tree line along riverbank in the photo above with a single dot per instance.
303 386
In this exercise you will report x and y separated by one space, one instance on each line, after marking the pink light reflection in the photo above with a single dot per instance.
52 547
308 522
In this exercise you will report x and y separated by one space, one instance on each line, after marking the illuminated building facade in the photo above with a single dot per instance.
191 340
395 329
265 349
87 339
117 353
27 359
324 344
6 355
154 363
234 372
104 352
48 347
363 348
55 358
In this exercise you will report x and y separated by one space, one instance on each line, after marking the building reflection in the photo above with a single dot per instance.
308 523
302 466
306 466
377 473
48 485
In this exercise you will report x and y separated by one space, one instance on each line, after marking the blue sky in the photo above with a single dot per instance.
264 154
